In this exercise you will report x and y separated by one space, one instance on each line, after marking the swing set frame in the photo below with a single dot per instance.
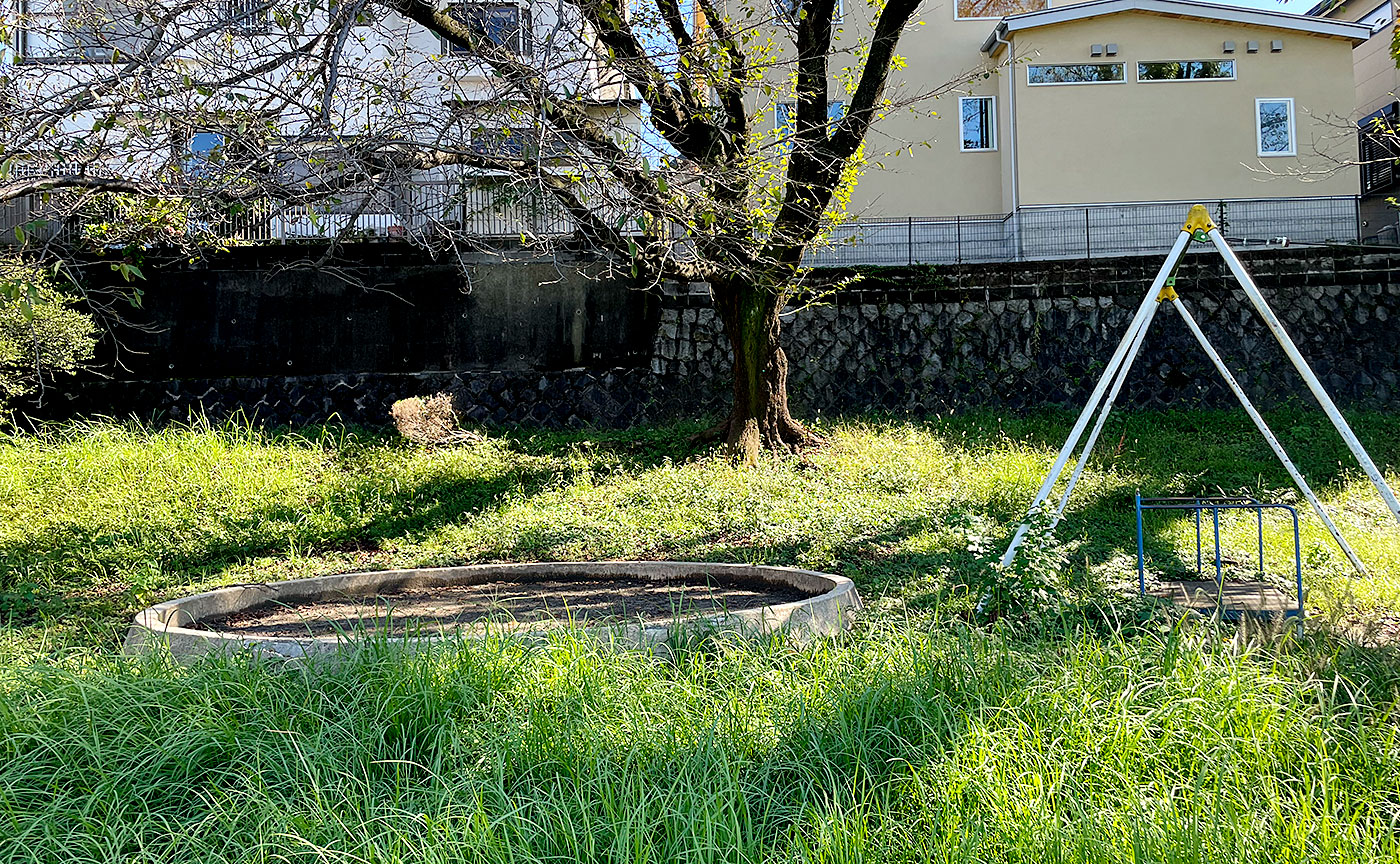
1201 229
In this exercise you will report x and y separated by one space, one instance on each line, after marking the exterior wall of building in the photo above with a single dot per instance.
1178 140
1377 77
1067 154
937 178
1377 86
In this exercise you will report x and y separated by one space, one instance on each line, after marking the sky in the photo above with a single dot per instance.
1297 7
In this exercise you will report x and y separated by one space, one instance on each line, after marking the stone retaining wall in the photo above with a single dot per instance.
917 340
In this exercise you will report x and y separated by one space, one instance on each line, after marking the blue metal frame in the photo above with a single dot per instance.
1197 504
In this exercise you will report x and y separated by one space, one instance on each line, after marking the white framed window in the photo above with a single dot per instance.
1052 74
975 10
978 120
507 142
508 25
1186 70
785 118
204 152
1273 122
55 33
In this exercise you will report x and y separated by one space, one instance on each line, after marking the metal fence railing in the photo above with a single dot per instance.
476 210
484 210
1083 231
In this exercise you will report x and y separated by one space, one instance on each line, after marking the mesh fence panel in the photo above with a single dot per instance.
1031 233
1094 231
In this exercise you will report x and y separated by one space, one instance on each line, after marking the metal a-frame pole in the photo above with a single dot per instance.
1120 356
1268 435
1108 401
1286 342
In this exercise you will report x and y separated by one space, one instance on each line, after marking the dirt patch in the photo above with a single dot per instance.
438 610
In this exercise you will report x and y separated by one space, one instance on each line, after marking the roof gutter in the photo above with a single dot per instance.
1357 33
989 44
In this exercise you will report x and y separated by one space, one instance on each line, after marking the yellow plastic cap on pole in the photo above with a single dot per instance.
1198 219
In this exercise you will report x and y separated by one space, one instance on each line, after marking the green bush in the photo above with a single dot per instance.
41 334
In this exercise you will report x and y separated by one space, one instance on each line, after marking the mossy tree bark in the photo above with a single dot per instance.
759 418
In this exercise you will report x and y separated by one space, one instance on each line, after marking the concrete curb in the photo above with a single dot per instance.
165 625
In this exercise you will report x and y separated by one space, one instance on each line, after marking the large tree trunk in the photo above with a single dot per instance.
759 418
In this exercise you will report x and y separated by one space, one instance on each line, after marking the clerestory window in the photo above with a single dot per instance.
1186 70
1075 73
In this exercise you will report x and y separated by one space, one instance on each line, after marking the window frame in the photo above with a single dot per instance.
19 40
957 17
256 20
486 139
524 28
1259 127
202 164
1380 151
1234 71
992 128
785 116
1030 83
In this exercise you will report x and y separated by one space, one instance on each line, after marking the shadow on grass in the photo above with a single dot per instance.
1159 453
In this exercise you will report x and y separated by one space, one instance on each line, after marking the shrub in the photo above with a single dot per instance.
41 334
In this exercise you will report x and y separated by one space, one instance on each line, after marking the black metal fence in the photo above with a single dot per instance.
1083 231
1031 233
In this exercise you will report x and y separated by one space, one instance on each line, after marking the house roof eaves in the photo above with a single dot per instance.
1357 33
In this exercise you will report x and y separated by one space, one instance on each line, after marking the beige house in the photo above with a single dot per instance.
1086 121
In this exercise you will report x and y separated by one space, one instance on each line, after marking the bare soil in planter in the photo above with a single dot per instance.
447 608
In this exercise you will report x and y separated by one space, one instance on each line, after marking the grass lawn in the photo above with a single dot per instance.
916 737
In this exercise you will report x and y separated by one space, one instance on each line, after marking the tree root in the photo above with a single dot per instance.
745 439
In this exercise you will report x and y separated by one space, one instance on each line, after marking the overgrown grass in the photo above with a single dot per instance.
99 520
900 745
915 738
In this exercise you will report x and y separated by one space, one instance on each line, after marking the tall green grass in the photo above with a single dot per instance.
98 520
900 745
915 738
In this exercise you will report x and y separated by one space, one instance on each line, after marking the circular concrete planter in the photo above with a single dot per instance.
166 625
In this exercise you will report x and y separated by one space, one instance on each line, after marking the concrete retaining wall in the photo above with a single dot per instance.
546 343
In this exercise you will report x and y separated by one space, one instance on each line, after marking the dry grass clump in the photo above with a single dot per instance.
431 420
